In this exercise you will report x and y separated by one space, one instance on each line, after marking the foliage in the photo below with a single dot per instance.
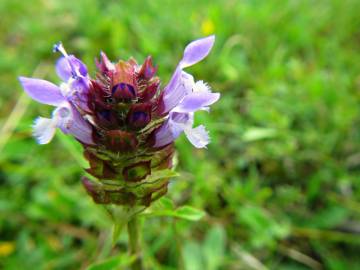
279 182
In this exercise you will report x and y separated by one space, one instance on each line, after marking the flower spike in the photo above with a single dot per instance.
126 122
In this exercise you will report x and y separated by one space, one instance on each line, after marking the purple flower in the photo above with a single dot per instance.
124 120
68 99
183 96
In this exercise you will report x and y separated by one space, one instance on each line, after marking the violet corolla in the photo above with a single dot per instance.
66 116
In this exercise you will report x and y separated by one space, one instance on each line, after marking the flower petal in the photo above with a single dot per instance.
172 128
179 86
196 101
173 99
174 81
201 87
63 69
164 135
80 66
70 121
42 91
66 66
198 136
44 130
79 92
197 51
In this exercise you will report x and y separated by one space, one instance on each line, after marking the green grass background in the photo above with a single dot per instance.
280 180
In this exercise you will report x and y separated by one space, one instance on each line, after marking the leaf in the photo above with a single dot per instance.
263 227
329 217
255 134
192 256
113 263
189 213
163 203
248 261
214 247
165 207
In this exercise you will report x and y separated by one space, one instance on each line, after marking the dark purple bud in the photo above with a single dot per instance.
106 119
95 191
121 141
139 115
123 92
150 91
105 115
104 64
147 70
160 105
89 186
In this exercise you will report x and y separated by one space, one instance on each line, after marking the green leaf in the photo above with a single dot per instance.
113 263
255 134
165 207
263 227
164 203
214 247
189 213
192 256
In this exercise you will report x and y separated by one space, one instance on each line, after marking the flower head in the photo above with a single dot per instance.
126 123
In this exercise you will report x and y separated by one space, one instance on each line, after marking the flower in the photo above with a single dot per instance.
66 116
182 97
125 122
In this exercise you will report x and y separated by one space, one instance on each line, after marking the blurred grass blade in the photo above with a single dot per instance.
13 119
19 110
255 134
214 247
117 262
74 148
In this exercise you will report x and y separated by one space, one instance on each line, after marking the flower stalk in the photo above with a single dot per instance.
133 227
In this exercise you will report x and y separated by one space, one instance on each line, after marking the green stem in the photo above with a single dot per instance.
134 243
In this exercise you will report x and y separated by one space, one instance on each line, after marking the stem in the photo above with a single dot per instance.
134 243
